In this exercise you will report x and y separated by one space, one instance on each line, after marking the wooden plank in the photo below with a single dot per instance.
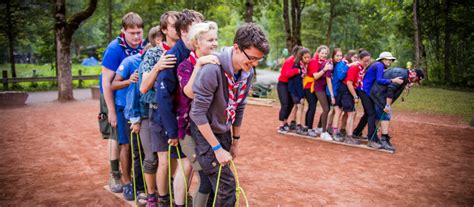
363 144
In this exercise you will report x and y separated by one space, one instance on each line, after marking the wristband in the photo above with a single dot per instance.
356 97
235 137
217 147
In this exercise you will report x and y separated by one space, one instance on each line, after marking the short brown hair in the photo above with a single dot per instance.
154 33
131 20
164 18
186 18
250 34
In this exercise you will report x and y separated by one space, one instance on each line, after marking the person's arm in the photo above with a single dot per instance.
234 150
149 77
320 73
341 71
352 91
188 85
107 77
119 82
204 90
382 81
165 87
331 92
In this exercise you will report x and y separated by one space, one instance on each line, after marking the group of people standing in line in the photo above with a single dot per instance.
184 99
339 83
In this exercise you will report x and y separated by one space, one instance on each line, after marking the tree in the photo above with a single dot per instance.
249 11
64 29
418 43
332 15
293 25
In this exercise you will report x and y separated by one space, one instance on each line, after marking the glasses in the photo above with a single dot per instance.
252 58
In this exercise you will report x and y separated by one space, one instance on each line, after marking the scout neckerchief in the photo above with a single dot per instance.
234 99
360 76
165 46
193 57
128 50
411 75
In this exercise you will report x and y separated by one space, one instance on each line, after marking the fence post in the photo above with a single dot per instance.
5 80
80 79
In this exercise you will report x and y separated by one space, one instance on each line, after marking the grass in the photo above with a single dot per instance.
45 70
438 101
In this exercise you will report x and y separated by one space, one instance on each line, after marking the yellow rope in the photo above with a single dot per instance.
169 176
238 189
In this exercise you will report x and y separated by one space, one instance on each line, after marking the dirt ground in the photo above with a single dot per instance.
52 155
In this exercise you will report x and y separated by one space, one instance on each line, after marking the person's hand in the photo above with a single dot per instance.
208 59
135 128
112 117
234 150
333 100
327 67
223 157
387 108
166 61
356 99
133 78
173 142
397 80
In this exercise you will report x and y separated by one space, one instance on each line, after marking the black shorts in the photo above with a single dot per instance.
159 141
296 99
344 99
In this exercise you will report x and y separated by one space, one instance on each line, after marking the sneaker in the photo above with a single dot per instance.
350 140
151 201
325 136
282 130
330 130
128 192
293 125
287 127
164 202
374 144
299 129
304 131
384 141
339 137
312 133
389 143
318 130
115 185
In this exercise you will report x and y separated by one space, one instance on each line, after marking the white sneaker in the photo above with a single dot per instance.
326 136
318 130
312 133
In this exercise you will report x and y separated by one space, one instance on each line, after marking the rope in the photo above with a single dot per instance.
238 189
169 176
133 171
141 163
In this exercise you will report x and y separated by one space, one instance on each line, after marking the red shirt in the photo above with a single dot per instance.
353 74
287 70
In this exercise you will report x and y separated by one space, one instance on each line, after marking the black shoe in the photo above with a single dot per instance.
374 144
287 127
293 125
343 132
385 144
389 143
282 130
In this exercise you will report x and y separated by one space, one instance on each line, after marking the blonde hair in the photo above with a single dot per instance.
200 28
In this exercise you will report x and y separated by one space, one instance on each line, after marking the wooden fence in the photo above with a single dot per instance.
80 77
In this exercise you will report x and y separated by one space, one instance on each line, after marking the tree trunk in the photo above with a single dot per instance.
249 11
286 19
109 21
418 43
11 40
447 43
331 18
64 29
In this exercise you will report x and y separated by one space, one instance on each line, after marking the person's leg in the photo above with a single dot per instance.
284 99
204 190
331 118
180 187
124 142
368 111
325 105
150 162
110 133
312 101
137 163
162 176
342 124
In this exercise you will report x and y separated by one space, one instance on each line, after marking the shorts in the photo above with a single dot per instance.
105 128
380 115
123 128
345 100
159 141
189 145
296 99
